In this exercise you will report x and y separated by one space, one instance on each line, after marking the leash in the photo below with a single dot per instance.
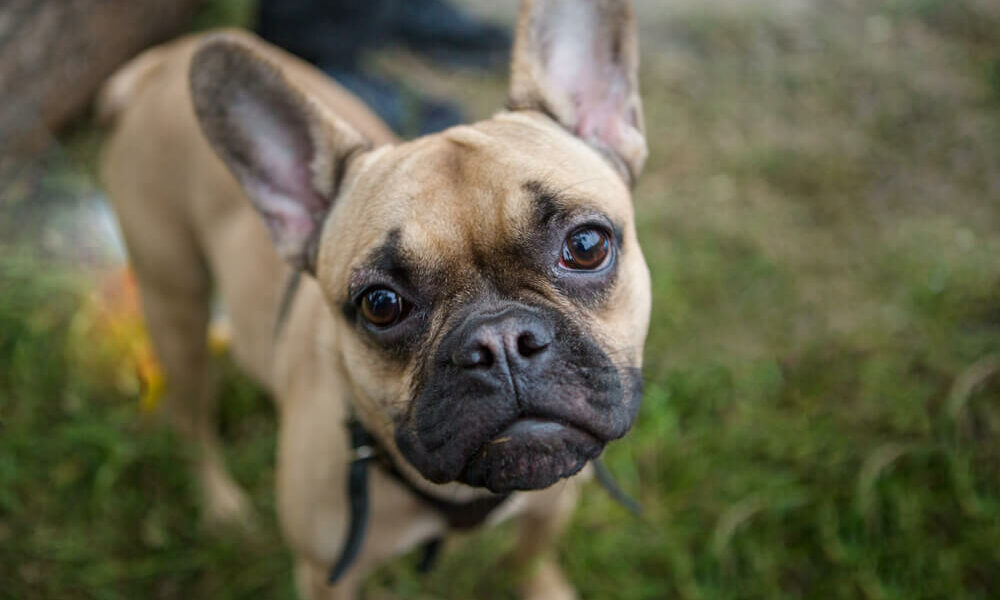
285 306
610 485
364 449
458 515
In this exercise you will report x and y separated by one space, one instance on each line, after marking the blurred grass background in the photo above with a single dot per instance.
821 216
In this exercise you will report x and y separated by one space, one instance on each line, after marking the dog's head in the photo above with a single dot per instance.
489 293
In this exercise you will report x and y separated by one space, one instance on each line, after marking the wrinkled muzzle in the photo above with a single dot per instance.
515 398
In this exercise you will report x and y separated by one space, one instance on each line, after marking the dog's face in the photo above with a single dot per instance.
494 300
490 296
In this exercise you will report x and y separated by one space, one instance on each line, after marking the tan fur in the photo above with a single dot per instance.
191 232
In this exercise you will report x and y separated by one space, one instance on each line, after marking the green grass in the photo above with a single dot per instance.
821 215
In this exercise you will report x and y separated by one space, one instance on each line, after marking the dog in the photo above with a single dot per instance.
468 326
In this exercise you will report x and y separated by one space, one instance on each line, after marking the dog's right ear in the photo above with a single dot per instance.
578 62
287 152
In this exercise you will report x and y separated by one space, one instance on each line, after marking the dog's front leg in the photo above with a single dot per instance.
541 523
311 582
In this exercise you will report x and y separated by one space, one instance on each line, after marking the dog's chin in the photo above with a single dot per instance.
530 454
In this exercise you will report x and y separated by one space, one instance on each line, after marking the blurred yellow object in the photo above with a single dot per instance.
114 342
153 385
219 334
115 320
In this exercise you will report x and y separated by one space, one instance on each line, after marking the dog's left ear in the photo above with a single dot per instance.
578 61
287 151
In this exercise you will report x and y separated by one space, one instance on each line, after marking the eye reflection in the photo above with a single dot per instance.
585 249
381 307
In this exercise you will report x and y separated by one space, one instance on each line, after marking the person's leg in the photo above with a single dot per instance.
333 33
446 34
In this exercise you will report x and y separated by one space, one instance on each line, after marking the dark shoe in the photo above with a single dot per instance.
329 33
450 36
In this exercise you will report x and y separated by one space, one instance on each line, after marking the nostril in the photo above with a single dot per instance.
471 357
529 344
480 357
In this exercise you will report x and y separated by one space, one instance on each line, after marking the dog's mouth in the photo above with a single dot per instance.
522 425
529 454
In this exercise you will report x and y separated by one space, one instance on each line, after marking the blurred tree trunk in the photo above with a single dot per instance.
54 54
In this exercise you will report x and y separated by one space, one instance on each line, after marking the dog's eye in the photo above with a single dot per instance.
585 249
382 307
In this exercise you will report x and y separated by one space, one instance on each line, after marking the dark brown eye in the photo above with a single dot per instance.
381 307
585 249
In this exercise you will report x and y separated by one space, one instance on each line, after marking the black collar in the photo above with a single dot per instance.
458 515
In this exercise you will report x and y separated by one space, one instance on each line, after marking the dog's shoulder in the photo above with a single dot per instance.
160 65
121 88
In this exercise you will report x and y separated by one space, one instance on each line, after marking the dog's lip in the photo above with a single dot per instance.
533 425
529 425
561 449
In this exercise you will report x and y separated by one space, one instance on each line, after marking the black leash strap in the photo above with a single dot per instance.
291 286
429 558
458 515
610 485
363 449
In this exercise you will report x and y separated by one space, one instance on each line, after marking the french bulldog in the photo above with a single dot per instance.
475 300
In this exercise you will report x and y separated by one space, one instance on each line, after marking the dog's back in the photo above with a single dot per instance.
196 234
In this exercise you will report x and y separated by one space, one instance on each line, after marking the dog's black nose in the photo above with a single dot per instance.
515 337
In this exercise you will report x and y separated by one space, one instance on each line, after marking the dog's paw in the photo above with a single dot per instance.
547 582
226 505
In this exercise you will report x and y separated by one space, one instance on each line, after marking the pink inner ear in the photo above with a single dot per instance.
600 117
280 154
290 222
274 166
578 61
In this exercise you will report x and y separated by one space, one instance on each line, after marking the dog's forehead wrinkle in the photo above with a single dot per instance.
457 227
546 202
455 198
387 258
467 137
